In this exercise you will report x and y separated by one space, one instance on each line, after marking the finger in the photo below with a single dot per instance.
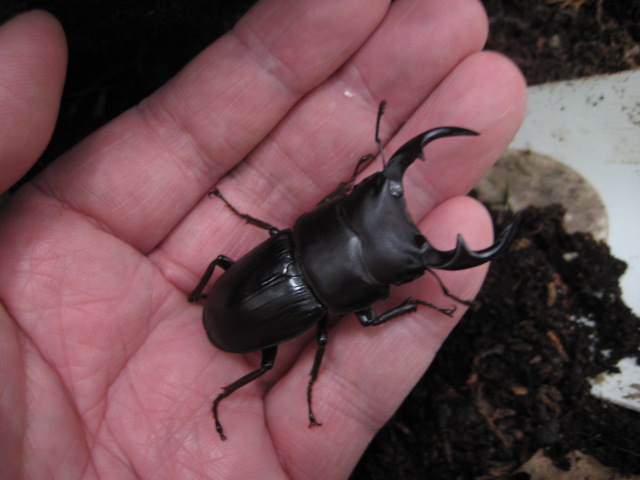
33 57
485 93
367 373
319 142
138 176
493 103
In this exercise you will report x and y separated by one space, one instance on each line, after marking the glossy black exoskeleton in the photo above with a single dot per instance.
340 257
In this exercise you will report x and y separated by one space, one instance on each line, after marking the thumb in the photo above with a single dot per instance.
33 56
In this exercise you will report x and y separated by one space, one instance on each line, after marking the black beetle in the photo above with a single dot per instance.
340 257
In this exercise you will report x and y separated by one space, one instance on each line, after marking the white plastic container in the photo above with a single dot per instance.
580 146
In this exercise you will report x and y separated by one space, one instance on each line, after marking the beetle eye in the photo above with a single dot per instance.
419 240
395 189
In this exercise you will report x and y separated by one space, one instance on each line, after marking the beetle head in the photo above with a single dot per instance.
393 248
461 257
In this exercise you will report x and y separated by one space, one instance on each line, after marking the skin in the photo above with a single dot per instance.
105 370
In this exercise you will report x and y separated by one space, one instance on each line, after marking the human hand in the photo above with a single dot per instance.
106 370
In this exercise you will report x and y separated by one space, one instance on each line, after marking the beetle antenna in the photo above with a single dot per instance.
383 105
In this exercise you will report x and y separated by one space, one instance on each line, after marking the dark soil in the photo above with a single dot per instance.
550 41
512 377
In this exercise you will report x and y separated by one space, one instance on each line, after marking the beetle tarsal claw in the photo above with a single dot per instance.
314 423
446 311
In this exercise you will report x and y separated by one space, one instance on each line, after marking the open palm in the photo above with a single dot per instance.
105 369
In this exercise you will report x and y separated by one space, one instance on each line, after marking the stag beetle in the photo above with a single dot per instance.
340 257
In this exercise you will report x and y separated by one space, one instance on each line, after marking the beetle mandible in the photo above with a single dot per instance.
340 257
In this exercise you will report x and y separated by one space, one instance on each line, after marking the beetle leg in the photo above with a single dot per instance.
345 187
369 318
381 108
221 261
322 337
446 291
268 358
247 218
